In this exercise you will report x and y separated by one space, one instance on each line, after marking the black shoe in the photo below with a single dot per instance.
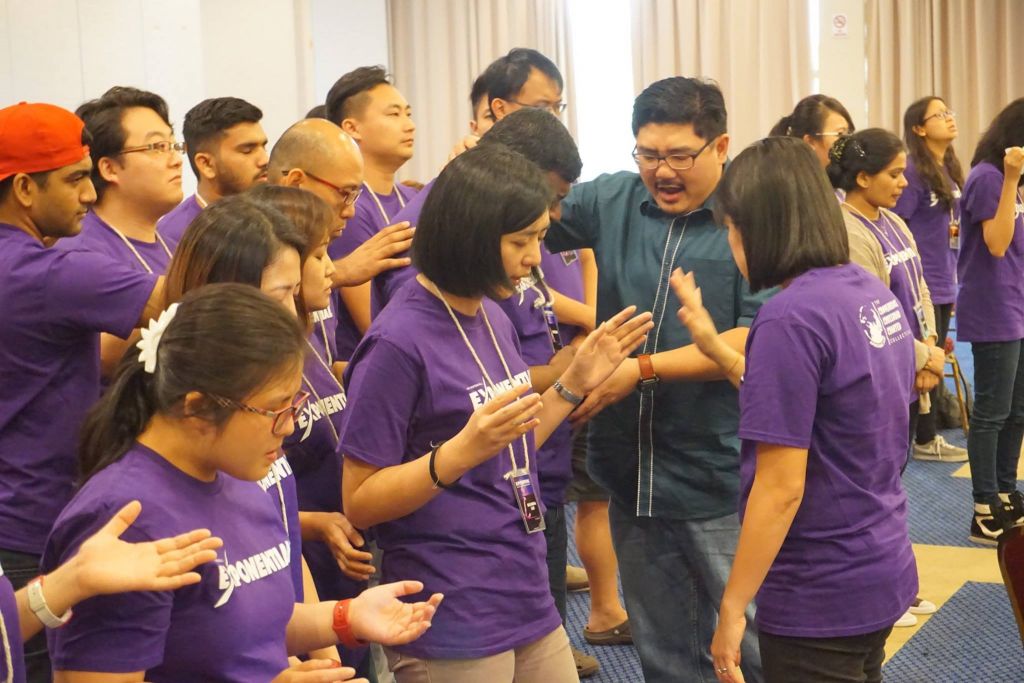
989 522
1013 503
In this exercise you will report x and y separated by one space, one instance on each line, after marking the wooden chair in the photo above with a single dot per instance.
1011 564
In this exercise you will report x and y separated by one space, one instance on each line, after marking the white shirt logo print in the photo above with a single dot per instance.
232 575
872 326
883 323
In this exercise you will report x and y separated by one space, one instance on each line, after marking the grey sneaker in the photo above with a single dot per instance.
939 449
586 665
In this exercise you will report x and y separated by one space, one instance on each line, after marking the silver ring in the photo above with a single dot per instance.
723 671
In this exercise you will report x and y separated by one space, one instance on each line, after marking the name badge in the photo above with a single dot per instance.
926 330
526 498
954 234
552 322
569 257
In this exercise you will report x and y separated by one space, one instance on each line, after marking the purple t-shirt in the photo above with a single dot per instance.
368 220
830 363
412 383
928 220
280 486
174 223
9 616
228 627
325 327
98 236
53 305
990 306
902 262
562 273
390 281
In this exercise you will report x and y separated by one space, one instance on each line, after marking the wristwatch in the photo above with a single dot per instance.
647 377
37 603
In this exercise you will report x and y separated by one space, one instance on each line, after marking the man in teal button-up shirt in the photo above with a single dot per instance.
667 452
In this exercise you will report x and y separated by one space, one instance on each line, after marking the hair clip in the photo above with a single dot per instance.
151 335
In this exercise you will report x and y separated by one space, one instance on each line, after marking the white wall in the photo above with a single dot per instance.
842 62
281 55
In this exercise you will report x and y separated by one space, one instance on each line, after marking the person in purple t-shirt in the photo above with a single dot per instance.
54 304
188 426
930 205
990 315
227 150
440 437
829 363
375 114
104 565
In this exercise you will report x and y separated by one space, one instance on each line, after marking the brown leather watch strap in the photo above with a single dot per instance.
646 367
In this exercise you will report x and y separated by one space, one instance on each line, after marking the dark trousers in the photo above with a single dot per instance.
927 425
852 659
558 539
997 423
21 568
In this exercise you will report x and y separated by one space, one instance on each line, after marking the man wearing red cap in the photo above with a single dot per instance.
54 304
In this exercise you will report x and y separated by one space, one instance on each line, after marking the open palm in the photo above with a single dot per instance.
377 615
605 348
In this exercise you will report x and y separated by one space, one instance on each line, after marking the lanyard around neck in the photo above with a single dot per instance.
131 247
380 207
911 271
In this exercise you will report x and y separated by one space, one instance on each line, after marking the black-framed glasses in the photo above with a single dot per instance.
162 147
281 418
941 116
555 108
348 196
677 162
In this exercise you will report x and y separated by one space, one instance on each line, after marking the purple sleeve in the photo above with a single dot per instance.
981 197
908 202
90 290
383 386
119 633
359 228
779 394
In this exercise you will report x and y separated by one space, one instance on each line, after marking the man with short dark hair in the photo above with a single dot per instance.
227 150
376 115
54 304
523 78
480 105
137 173
665 444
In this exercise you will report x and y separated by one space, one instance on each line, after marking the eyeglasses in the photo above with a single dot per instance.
941 116
677 162
154 148
555 108
348 196
281 417
832 133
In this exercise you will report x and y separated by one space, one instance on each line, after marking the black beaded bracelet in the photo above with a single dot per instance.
438 484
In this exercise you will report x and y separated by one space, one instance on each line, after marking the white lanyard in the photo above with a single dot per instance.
316 394
911 271
6 644
380 207
135 251
483 370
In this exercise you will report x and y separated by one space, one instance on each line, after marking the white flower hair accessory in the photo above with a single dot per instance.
151 338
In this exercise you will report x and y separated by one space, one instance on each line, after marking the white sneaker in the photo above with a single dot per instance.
939 449
906 620
922 606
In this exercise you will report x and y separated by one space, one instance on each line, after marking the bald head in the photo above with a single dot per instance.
318 156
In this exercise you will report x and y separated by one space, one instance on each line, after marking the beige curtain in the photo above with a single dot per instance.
964 51
439 47
758 52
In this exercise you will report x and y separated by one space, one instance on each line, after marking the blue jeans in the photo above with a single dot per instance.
20 568
997 423
557 537
673 577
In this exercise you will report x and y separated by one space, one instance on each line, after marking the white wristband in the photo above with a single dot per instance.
37 603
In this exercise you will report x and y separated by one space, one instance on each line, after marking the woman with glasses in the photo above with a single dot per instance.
930 205
190 424
990 315
819 120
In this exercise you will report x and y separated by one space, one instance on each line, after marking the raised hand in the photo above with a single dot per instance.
378 616
1013 162
494 425
692 314
604 349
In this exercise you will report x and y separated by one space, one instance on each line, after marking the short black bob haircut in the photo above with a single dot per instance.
1006 130
347 97
866 151
541 138
507 75
780 202
480 195
207 122
682 100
